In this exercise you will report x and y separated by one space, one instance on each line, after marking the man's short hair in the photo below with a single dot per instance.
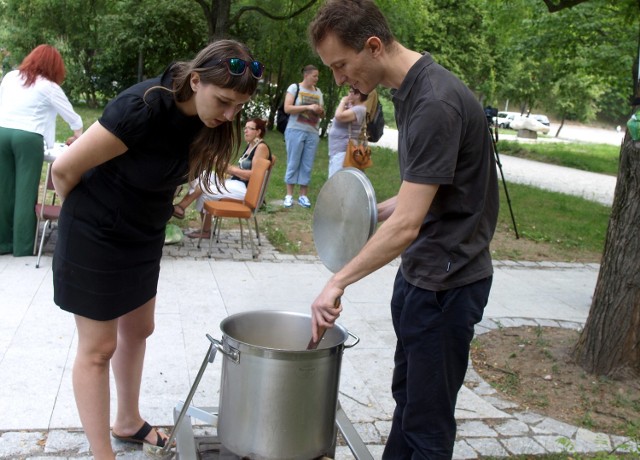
308 69
352 21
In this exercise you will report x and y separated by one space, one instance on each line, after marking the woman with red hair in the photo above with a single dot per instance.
30 100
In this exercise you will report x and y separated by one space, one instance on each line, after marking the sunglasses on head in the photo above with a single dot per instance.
237 66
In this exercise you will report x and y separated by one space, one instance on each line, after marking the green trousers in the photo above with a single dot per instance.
21 158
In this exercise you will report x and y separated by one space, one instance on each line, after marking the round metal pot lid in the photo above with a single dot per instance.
344 218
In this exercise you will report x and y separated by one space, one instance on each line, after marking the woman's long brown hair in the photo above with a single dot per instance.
212 149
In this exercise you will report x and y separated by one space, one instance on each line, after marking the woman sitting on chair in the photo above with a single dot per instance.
234 187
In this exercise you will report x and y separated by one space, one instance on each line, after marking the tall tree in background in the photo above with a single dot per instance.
140 38
574 47
610 341
283 46
72 28
106 45
221 19
562 63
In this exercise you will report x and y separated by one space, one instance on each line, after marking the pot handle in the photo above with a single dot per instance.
232 353
354 343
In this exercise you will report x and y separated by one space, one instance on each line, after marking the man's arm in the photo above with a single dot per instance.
385 209
403 215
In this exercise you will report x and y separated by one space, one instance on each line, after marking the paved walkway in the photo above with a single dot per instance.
38 343
37 347
591 186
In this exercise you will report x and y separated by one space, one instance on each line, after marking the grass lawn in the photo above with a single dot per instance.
600 158
552 226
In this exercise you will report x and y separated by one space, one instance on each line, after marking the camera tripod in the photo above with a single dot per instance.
493 132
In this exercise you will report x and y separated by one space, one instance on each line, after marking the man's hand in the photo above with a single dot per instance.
325 310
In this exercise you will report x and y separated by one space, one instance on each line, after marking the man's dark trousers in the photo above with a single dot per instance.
434 331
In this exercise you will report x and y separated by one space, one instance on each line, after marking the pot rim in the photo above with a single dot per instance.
275 351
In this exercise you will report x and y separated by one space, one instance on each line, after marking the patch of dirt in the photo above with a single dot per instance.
505 246
532 367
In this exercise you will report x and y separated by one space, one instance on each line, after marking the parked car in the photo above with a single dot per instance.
504 119
530 123
541 118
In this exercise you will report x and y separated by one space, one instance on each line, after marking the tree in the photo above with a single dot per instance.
453 32
220 18
165 31
106 45
72 28
609 344
610 341
571 84
282 45
562 62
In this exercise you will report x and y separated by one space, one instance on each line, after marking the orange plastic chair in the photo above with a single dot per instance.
49 213
245 209
255 218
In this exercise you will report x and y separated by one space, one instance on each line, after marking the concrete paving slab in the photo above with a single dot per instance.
38 341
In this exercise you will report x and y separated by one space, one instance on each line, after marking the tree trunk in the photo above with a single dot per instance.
221 20
610 342
140 65
561 126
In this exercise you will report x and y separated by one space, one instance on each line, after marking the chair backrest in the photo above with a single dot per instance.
257 181
265 185
47 187
273 162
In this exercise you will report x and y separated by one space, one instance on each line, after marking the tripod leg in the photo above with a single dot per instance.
504 182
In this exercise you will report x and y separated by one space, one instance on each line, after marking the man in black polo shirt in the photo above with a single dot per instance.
440 222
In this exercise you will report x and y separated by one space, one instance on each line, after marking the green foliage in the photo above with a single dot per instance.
550 60
388 110
106 45
165 31
282 45
515 51
454 32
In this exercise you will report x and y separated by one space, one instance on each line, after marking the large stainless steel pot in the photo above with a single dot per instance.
278 400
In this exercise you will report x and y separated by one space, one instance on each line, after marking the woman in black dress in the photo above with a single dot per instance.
118 181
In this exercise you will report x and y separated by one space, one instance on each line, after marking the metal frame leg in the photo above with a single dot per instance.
182 431
47 224
210 356
351 436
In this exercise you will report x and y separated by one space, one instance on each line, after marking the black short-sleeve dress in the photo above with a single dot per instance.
112 225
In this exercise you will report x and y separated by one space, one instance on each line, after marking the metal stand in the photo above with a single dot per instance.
504 182
189 446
